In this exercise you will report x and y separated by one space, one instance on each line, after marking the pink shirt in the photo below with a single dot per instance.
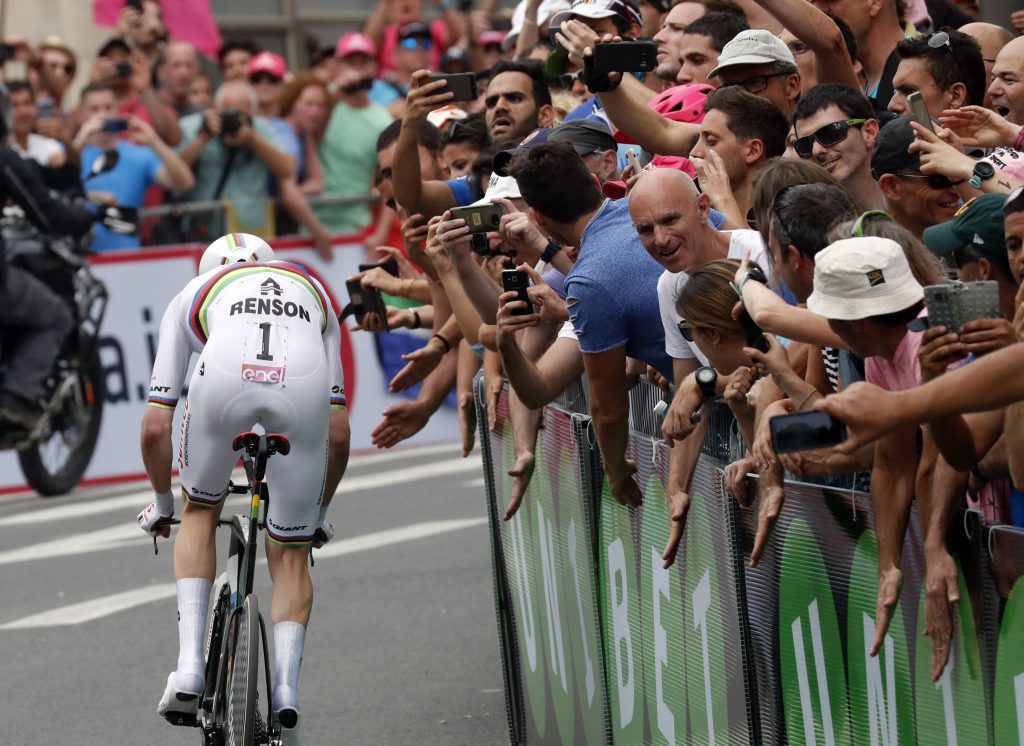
903 372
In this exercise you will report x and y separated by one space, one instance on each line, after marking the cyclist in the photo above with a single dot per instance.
269 354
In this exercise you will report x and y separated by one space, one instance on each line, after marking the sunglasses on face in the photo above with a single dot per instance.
755 83
686 329
258 78
492 48
67 68
937 182
416 41
827 136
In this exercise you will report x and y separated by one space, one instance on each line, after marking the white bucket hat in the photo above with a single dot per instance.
861 277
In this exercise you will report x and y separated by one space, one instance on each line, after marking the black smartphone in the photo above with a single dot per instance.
389 265
366 300
805 431
514 280
479 218
124 69
45 108
463 85
7 52
115 125
752 333
625 57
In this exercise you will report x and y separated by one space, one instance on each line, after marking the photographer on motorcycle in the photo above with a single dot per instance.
39 319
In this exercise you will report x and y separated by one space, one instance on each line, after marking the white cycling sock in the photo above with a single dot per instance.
165 502
289 637
193 603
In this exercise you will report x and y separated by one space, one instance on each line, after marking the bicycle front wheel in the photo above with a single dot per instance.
243 673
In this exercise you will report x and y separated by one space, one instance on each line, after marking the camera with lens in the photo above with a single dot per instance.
230 121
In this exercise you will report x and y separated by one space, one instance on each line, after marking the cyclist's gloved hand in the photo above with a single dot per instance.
323 534
152 519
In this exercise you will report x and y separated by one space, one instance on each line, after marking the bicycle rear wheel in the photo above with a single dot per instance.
243 674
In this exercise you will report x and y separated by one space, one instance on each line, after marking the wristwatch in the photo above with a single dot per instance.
983 170
754 273
552 248
706 379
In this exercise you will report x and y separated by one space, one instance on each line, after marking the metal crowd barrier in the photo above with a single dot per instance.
202 222
601 644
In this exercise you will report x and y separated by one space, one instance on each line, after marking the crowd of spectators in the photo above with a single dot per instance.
782 173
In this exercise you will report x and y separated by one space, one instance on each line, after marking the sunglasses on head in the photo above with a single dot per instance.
935 181
858 227
257 78
827 136
413 42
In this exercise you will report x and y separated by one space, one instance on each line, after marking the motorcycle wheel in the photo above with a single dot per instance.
56 462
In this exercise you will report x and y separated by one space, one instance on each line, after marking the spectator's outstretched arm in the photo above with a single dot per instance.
529 33
1014 433
609 409
174 174
682 461
374 26
535 384
313 184
453 20
653 132
821 35
279 163
411 192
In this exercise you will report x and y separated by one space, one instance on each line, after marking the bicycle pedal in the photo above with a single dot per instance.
182 718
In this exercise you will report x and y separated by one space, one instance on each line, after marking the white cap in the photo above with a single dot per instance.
856 278
547 9
753 47
500 186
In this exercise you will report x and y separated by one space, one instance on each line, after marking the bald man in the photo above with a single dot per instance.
179 66
1007 88
991 38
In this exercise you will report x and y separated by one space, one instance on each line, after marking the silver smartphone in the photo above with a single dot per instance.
919 111
954 304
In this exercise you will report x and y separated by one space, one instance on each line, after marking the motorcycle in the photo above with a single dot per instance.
56 450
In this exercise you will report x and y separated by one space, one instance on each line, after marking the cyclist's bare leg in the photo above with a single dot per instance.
195 548
290 606
338 438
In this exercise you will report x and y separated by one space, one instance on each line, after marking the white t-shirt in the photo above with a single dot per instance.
40 149
567 332
670 283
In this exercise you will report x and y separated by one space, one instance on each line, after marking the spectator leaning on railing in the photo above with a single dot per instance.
145 161
234 153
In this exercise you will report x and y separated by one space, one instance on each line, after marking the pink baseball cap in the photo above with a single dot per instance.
491 37
617 189
270 63
355 43
680 103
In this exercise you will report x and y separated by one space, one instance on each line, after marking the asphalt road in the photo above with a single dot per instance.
402 646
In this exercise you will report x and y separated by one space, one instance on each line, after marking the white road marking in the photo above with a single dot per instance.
475 482
98 608
136 501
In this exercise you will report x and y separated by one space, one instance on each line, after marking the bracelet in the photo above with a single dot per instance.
1018 144
529 21
445 342
807 396
417 322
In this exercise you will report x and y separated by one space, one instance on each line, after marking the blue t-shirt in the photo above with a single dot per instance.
128 181
614 284
383 93
463 189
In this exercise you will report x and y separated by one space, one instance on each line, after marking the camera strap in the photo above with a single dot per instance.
224 173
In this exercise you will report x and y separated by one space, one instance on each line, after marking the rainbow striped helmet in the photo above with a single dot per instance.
235 247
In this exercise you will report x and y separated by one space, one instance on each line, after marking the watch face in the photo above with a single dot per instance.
756 273
984 169
706 375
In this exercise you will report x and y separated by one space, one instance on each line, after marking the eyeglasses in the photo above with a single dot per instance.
858 227
755 83
940 39
829 135
567 79
935 181
686 329
257 78
413 42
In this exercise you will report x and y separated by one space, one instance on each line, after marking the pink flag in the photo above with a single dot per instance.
188 20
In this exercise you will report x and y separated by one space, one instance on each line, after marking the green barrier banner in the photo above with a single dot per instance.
546 551
1007 553
675 650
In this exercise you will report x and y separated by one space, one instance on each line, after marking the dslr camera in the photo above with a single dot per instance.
231 121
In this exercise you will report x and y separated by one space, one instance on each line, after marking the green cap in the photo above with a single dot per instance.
977 225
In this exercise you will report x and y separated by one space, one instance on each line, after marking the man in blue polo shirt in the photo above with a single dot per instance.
141 162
